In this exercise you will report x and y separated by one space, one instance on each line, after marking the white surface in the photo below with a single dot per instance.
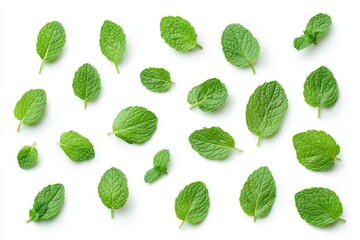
149 212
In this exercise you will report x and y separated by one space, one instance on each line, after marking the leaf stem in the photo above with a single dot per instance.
319 112
41 66
198 45
336 158
85 104
110 133
254 218
252 68
112 213
259 140
33 145
341 219
192 106
29 220
117 68
238 149
182 224
18 128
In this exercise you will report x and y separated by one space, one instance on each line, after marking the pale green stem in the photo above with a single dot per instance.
182 224
319 112
198 45
110 133
259 140
336 158
112 213
18 128
341 219
117 68
33 145
255 218
85 104
29 220
238 149
192 106
41 66
252 69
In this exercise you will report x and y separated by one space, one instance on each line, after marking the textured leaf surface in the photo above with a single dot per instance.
319 206
135 124
258 193
113 189
87 83
316 150
160 162
212 143
76 147
316 28
240 47
47 203
321 89
27 157
112 42
50 42
31 107
156 79
209 95
178 33
266 109
192 204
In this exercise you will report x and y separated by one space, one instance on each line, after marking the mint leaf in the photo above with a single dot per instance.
112 42
50 42
156 79
266 110
178 33
113 189
87 83
48 203
212 143
258 193
316 28
31 107
316 150
192 204
209 95
161 161
320 207
76 147
134 125
321 89
240 47
27 156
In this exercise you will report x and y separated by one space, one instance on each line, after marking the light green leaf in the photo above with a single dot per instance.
87 83
178 33
112 42
209 95
321 89
151 175
156 79
50 42
302 42
31 107
212 143
192 204
258 193
113 189
48 203
266 110
134 125
316 150
27 156
320 207
76 147
240 47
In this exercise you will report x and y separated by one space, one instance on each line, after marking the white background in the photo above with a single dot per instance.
149 212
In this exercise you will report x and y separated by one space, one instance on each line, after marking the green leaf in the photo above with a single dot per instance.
321 89
76 147
209 95
240 47
192 204
316 150
50 42
156 79
266 110
316 28
87 83
48 203
161 161
178 33
258 193
31 107
27 157
134 125
212 143
320 207
113 189
112 42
